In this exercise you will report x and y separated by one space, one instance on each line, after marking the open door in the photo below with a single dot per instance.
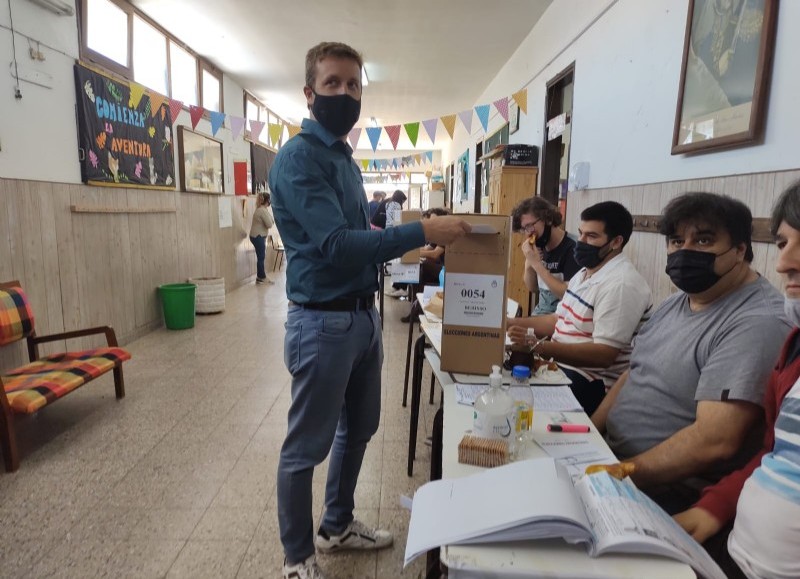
557 137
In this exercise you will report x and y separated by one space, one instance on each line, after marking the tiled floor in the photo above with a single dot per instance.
178 479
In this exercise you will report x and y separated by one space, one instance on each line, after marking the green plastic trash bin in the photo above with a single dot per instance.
178 301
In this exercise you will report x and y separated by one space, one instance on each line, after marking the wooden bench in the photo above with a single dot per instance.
29 388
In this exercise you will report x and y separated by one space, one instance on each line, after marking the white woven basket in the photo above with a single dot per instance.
210 295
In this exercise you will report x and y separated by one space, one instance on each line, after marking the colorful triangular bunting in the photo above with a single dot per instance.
429 156
196 113
502 107
449 122
237 124
430 128
466 119
275 131
483 116
255 129
521 98
217 119
175 107
156 100
374 134
412 130
394 134
293 130
364 164
353 136
137 91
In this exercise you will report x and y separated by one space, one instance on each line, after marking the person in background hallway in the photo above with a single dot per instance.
394 207
765 539
259 231
550 261
333 347
604 306
377 197
689 410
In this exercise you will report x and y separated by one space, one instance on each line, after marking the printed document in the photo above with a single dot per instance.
535 499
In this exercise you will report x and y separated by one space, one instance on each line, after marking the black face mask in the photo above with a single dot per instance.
587 255
693 271
337 113
543 239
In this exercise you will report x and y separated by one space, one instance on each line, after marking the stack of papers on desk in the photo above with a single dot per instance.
542 398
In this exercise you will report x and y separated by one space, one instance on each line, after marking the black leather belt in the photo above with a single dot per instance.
340 304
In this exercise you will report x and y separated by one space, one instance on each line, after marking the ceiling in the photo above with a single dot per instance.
424 58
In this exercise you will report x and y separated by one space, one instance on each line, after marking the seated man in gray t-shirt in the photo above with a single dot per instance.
688 409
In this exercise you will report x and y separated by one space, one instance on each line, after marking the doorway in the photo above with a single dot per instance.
557 137
478 193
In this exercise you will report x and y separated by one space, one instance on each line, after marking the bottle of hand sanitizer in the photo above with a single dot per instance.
494 410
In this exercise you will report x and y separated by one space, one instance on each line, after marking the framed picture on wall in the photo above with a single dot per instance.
513 117
200 162
725 74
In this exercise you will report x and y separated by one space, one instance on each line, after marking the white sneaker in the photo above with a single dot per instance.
357 536
307 569
396 293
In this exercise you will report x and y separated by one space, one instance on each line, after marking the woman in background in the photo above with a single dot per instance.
259 230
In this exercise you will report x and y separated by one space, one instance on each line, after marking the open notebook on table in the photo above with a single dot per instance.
536 499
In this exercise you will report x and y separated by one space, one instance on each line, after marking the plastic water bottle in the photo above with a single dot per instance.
494 415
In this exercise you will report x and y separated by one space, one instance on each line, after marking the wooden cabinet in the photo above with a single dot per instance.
507 187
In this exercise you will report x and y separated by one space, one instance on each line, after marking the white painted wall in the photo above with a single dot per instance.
38 133
627 56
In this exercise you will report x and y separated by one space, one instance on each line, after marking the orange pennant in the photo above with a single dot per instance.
521 98
449 122
156 100
293 130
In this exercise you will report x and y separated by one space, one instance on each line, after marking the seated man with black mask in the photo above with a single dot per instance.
688 410
603 307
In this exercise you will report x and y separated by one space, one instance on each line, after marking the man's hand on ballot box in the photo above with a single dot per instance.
445 229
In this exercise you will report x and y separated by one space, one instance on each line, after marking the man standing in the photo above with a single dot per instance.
549 251
377 197
332 347
688 411
601 311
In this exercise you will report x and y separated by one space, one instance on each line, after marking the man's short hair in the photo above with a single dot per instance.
540 207
787 209
325 49
616 219
719 212
380 194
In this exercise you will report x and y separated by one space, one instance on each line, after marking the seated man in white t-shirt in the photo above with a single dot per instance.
766 534
602 309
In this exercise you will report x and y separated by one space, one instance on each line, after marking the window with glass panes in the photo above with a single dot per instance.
116 36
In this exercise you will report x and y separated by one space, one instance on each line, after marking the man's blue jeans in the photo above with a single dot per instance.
335 359
260 243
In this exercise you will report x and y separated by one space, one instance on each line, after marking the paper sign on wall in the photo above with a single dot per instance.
225 213
474 300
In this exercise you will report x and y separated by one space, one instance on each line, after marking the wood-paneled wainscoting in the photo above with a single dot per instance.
648 250
93 256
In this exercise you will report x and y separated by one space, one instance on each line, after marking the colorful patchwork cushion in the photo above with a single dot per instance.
39 383
16 317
